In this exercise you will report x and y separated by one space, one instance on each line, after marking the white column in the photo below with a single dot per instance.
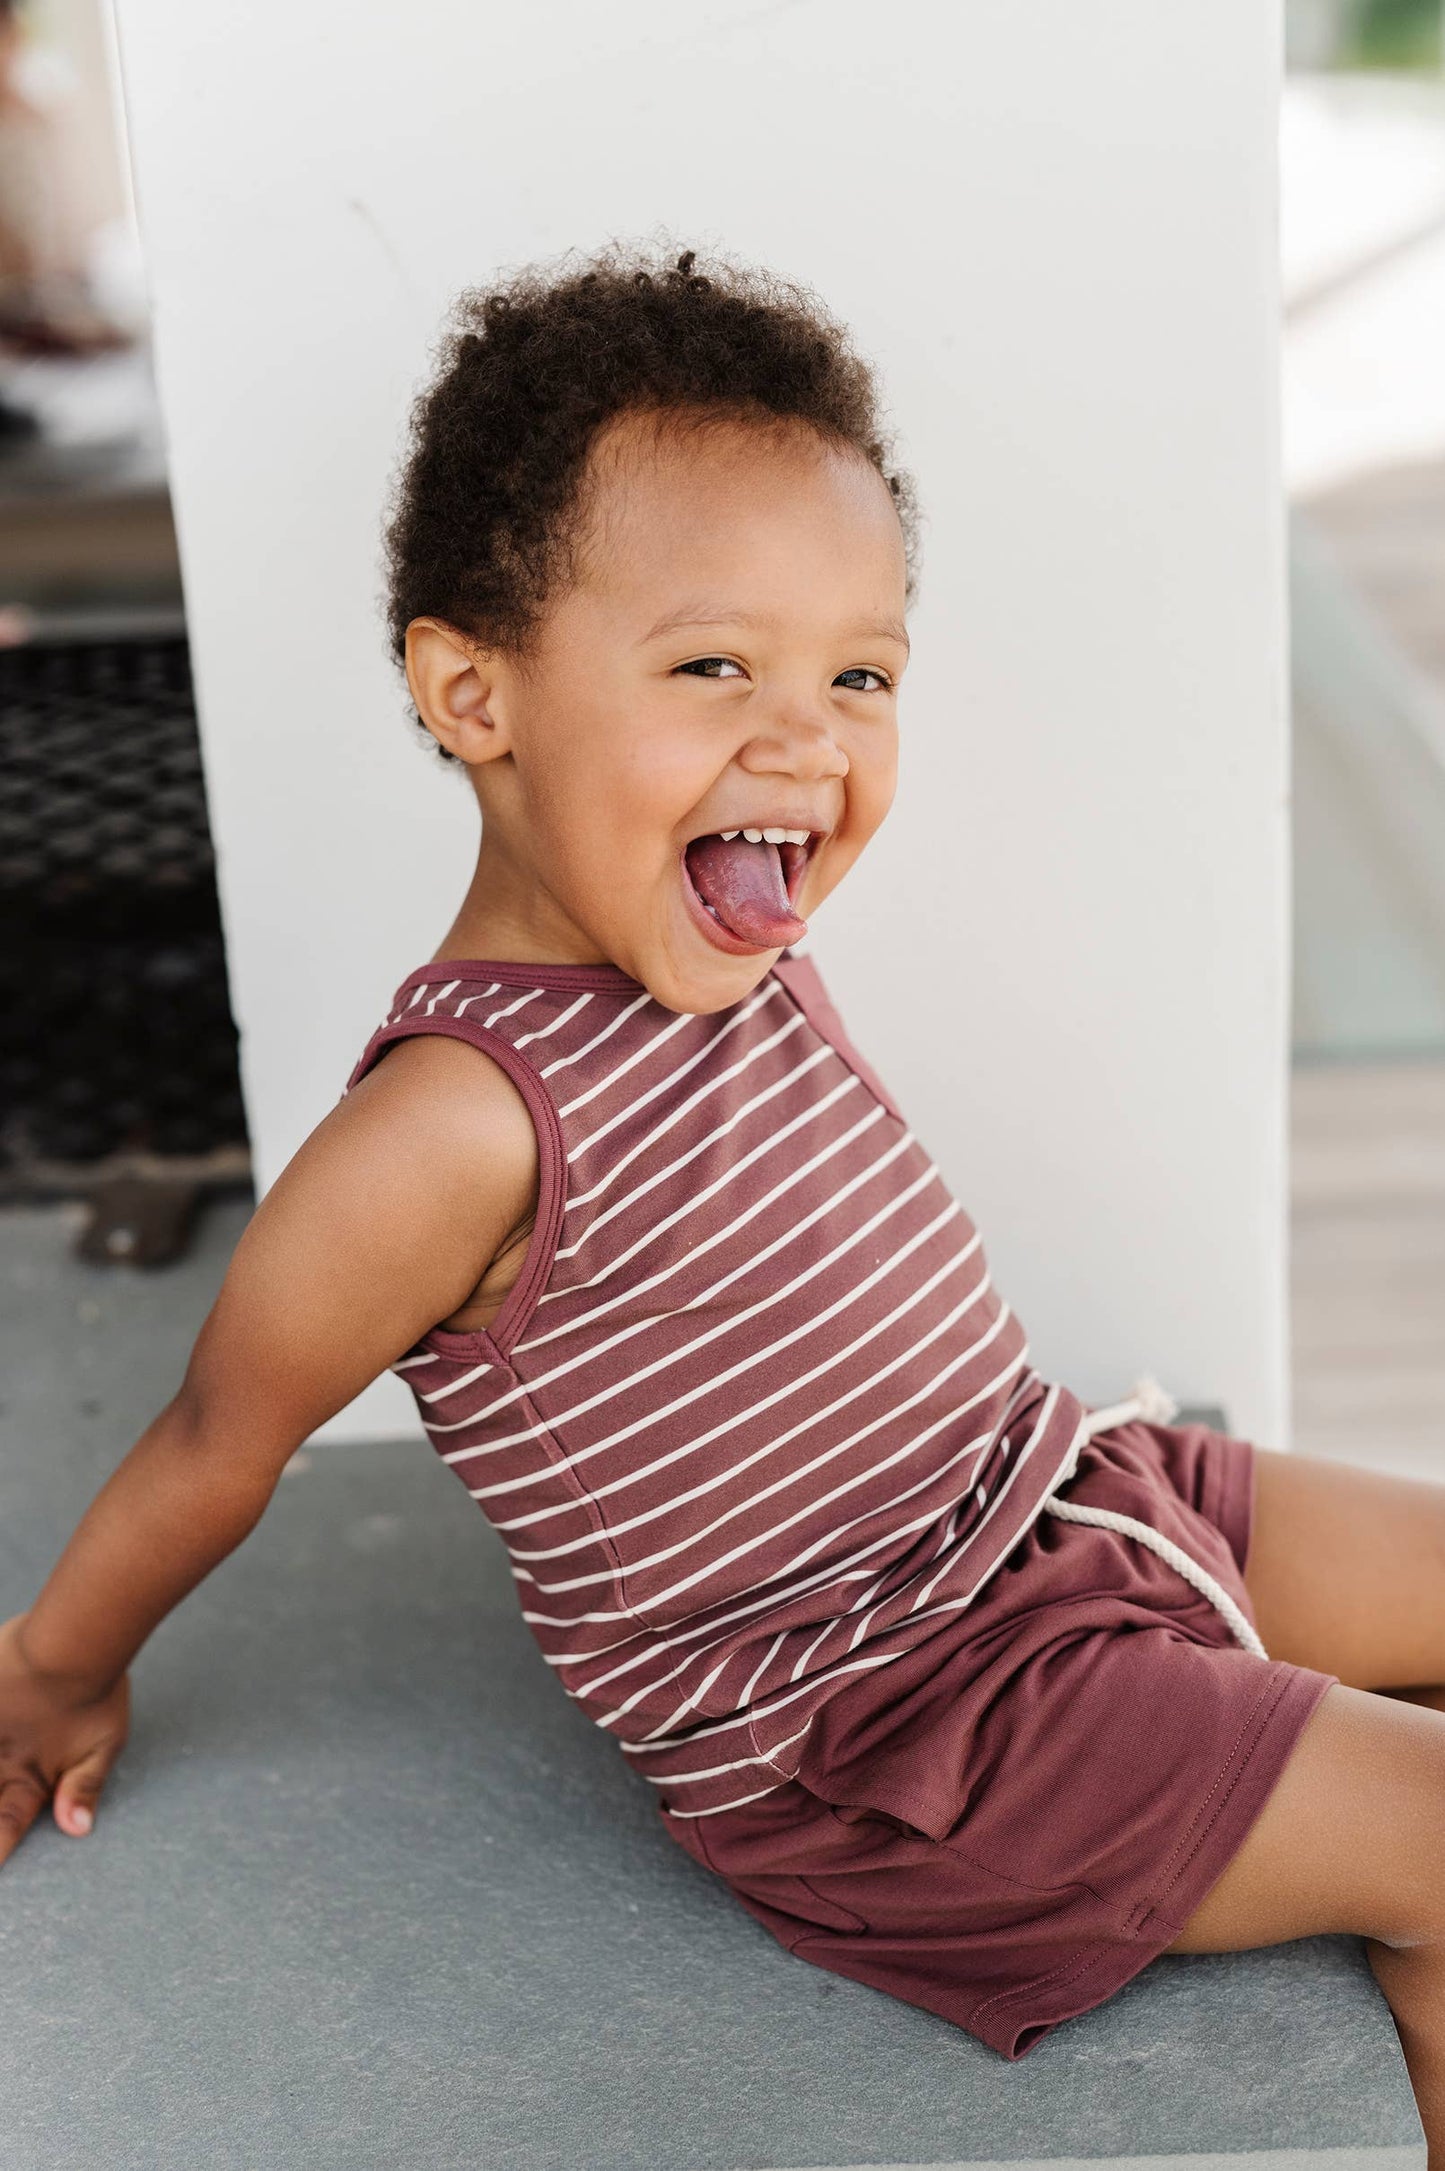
1053 227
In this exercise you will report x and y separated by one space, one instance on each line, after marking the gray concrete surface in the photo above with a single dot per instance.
366 1891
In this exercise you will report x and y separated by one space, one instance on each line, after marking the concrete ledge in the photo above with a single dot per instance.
366 1890
1271 2159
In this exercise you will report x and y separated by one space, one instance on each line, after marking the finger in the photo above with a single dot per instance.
77 1791
22 1797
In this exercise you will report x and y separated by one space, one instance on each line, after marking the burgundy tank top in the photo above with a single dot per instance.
753 1418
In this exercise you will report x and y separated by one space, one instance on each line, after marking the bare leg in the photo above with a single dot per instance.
1353 1838
1413 1980
1346 1572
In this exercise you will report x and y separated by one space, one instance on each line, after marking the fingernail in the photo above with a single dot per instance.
81 1819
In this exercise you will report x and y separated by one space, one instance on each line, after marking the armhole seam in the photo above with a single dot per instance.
495 1343
804 984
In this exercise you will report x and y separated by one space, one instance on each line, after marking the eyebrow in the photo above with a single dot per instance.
712 614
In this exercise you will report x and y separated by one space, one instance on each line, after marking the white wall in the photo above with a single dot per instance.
1054 228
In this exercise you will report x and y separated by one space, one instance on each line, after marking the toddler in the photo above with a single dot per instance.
965 1690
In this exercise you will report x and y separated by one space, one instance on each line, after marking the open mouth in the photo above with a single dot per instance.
742 885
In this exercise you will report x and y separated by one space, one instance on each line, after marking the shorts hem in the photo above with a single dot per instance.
1093 1975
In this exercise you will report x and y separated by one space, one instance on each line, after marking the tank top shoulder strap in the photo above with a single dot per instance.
477 1003
803 981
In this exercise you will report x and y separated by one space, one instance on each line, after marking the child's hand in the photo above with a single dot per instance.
52 1741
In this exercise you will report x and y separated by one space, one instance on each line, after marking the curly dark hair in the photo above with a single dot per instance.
485 514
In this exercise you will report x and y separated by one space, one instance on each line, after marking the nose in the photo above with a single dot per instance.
797 742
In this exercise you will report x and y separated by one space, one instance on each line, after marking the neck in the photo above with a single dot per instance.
508 912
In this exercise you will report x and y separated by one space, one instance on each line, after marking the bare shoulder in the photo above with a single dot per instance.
381 1227
438 1093
442 1144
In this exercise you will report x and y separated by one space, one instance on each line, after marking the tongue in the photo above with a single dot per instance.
744 884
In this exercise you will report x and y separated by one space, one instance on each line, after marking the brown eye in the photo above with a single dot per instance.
702 666
863 671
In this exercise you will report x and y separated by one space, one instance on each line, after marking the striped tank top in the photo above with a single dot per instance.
753 1419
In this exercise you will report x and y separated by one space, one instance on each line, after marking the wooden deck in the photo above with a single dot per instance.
1368 1276
1368 1280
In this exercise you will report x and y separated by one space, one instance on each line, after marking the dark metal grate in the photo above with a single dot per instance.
115 1028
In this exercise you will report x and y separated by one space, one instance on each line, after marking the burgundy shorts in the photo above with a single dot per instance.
1007 1824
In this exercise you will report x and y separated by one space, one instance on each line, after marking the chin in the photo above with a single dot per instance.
700 992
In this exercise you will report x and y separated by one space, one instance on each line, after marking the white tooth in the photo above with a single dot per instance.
727 835
754 836
796 836
775 836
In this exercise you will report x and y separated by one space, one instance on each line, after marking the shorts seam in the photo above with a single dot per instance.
1206 1818
986 1869
1072 1884
859 1926
699 1839
1228 1488
1059 1978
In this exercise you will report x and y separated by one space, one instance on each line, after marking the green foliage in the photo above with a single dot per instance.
1396 34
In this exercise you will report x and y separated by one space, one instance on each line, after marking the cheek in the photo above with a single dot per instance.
659 779
875 781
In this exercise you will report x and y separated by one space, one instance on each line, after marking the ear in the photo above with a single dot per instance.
452 684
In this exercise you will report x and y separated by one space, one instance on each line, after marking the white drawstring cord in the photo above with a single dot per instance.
1153 1405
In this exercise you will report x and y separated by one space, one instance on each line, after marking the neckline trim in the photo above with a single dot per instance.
535 972
521 972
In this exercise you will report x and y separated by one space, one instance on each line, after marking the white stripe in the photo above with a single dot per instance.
450 989
478 995
509 1010
684 1108
737 1803
718 1771
770 1598
636 1289
719 1380
762 1711
757 1673
704 1651
544 1032
932 1477
809 1509
753 1211
822 1636
407 1364
565 1062
953 1605
659 1176
630 1062
1045 1413
775 1594
735 1423
690 1703
623 1162
747 1266
876 1597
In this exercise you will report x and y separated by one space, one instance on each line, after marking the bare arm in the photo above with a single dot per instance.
383 1224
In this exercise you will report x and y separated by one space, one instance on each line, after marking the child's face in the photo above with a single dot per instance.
727 658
